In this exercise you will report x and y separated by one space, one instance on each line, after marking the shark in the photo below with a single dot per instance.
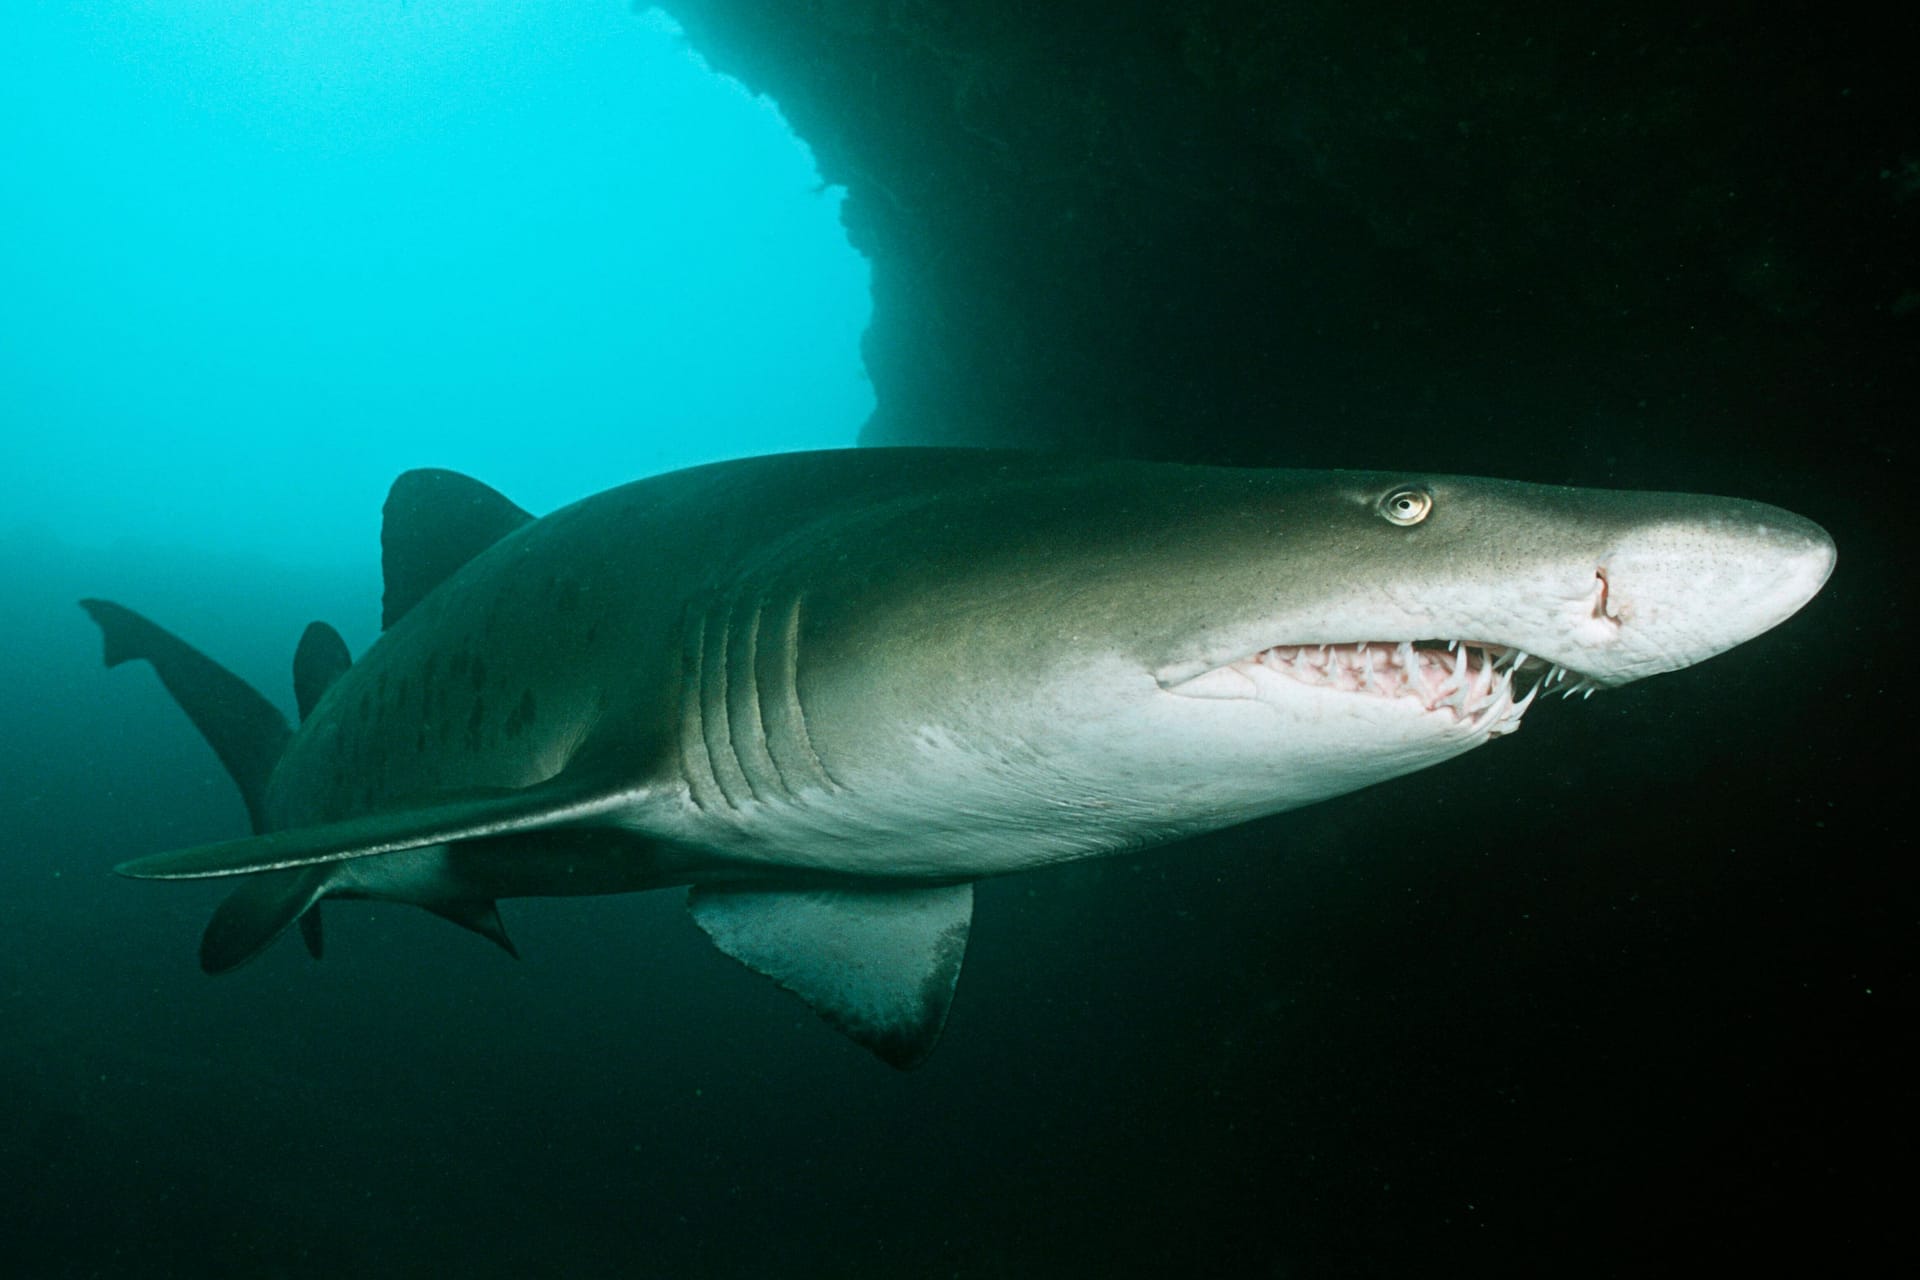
827 693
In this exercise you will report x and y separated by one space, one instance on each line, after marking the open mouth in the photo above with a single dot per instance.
1477 683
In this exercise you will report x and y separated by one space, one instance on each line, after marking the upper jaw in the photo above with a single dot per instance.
1483 687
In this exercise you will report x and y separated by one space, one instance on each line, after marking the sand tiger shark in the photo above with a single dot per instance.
830 691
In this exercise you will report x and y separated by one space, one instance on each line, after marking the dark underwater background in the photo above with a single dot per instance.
1629 994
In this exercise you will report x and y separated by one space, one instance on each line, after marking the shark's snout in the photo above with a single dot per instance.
1677 592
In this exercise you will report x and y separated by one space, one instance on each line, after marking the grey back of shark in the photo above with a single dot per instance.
829 691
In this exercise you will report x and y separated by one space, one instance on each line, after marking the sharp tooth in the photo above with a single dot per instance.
1510 720
1520 707
1486 700
1457 700
1452 645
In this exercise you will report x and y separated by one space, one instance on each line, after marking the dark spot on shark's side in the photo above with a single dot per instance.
460 663
475 722
521 717
479 675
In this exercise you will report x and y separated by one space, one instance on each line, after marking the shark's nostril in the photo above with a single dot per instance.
1603 596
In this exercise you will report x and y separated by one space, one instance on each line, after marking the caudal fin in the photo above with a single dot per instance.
245 730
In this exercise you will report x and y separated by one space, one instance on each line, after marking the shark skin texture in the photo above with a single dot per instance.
830 691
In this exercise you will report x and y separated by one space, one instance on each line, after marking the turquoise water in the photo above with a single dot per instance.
257 258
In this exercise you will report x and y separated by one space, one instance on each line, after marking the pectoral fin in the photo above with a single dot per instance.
879 964
561 802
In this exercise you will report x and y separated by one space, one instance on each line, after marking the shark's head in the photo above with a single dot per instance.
1606 586
1189 647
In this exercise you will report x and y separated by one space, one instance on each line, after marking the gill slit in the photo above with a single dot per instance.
790 685
714 726
703 788
751 750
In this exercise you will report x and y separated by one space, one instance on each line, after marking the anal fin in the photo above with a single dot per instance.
880 964
259 911
312 933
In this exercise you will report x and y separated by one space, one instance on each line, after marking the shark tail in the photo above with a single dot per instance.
247 733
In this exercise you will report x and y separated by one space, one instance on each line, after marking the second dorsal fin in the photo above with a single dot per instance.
320 659
433 523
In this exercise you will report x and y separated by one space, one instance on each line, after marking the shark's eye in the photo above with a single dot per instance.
1406 506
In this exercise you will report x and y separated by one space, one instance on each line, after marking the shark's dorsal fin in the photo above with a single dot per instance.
441 819
879 964
433 523
320 659
245 730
